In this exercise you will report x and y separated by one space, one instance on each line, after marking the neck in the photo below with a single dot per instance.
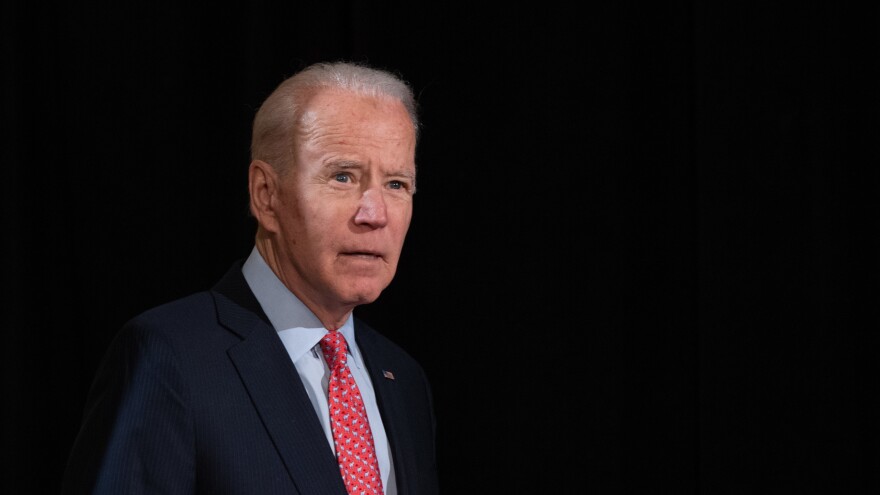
331 316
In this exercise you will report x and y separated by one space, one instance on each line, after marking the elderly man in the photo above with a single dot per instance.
267 383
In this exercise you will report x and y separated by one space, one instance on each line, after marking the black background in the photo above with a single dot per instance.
642 258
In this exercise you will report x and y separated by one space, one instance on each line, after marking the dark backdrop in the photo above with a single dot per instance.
645 222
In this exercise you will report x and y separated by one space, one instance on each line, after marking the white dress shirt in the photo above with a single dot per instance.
301 332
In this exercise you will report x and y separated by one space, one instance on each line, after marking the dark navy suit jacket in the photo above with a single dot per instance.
199 396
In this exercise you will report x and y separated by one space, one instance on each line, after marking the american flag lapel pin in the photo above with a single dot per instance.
387 374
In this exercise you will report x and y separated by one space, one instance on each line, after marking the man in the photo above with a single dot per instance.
254 386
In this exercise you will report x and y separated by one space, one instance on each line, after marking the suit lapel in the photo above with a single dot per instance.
275 389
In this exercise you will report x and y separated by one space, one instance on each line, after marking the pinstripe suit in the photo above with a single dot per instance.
200 396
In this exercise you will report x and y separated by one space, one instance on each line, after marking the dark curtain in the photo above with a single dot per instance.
642 258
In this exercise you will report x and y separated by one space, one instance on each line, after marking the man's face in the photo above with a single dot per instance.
345 205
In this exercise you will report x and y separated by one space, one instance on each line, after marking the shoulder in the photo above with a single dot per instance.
203 324
195 308
162 328
188 326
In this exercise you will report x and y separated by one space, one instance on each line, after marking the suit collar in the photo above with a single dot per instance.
237 308
275 388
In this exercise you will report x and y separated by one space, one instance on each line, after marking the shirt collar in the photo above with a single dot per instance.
300 330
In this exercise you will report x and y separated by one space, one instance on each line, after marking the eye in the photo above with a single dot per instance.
400 185
342 177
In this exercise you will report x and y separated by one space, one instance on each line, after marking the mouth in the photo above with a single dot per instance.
366 255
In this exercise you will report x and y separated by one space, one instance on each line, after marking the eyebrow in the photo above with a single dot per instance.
351 164
405 174
343 164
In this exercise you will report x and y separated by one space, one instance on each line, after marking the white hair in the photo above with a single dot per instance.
276 121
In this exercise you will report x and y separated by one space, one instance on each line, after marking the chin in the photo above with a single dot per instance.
364 296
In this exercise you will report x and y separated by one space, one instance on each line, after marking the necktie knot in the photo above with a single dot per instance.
334 348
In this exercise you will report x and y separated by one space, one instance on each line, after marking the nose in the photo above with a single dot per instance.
371 210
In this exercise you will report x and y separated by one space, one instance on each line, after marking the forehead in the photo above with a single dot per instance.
330 108
342 123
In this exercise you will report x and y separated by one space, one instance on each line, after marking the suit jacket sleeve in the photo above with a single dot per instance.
137 431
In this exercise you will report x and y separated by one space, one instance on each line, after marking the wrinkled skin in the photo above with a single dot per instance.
333 226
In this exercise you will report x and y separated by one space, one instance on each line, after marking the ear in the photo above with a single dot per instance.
263 183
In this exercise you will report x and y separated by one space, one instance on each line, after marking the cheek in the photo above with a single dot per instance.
327 227
321 214
406 218
398 236
331 225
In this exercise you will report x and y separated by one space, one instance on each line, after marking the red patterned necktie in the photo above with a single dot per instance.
348 419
